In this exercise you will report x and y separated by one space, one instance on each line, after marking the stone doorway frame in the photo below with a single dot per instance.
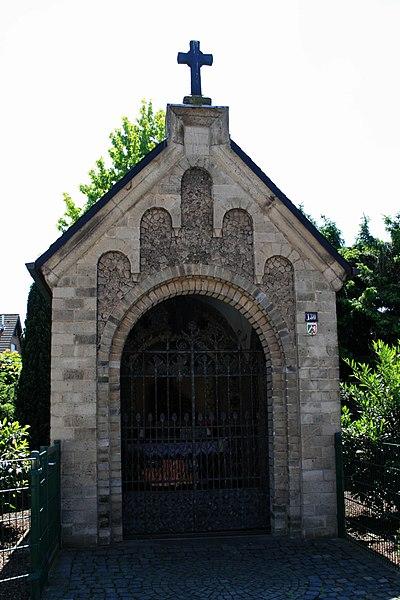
282 395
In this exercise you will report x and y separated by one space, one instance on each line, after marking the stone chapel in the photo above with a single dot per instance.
194 375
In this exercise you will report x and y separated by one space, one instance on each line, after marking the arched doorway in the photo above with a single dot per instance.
194 421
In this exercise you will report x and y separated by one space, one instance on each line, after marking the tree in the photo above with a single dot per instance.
331 231
33 392
368 305
327 227
10 368
129 144
369 302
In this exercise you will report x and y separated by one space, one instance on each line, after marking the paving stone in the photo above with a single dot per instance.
230 568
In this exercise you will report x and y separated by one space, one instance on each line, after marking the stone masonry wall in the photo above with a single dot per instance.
319 405
74 400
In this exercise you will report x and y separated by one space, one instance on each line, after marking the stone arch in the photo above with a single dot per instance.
239 215
113 283
278 284
252 303
157 247
224 204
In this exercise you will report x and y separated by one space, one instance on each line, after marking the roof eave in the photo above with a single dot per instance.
37 275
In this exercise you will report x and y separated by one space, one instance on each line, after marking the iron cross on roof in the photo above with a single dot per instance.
195 59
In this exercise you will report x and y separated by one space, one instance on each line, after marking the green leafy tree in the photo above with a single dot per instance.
10 368
33 392
331 231
71 214
129 144
369 303
327 227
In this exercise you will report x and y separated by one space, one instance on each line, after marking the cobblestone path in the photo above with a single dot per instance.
258 567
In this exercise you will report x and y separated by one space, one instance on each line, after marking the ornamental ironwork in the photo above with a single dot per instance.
194 424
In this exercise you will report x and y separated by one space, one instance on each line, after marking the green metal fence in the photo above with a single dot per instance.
45 514
14 526
29 521
368 492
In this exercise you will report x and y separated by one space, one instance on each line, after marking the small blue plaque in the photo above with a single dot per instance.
311 317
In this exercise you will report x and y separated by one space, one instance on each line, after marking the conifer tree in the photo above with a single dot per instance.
33 393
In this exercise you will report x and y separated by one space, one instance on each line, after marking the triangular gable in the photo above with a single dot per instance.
35 268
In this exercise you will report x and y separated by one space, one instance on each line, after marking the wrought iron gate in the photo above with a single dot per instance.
194 441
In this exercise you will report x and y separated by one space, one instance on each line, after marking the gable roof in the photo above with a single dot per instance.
12 327
34 268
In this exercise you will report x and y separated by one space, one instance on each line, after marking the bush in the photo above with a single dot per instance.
13 440
10 368
13 445
371 436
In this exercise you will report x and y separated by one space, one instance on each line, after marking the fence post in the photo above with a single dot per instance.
341 520
57 444
35 527
45 533
45 511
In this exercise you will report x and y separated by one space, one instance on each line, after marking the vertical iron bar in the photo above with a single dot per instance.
44 494
229 417
206 466
57 445
35 533
194 469
129 454
253 472
141 459
341 517
217 466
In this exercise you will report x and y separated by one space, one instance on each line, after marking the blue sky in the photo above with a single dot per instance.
312 86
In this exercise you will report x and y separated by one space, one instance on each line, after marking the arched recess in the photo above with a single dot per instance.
157 243
196 201
196 231
114 280
237 242
253 304
278 284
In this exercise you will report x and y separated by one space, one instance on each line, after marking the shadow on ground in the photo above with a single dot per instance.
259 567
